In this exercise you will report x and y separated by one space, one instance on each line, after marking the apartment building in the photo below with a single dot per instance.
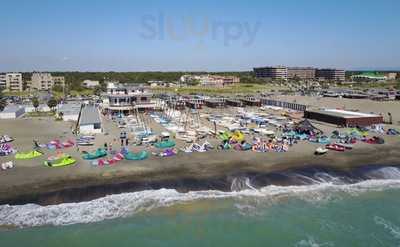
11 81
59 81
3 81
331 74
304 73
274 73
45 81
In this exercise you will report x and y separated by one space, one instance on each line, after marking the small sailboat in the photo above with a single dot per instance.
320 151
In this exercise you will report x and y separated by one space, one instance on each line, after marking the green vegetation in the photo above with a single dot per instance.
52 103
74 93
58 88
19 94
35 102
234 89
3 102
40 114
74 79
81 92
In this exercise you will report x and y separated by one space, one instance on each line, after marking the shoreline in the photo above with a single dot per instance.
185 172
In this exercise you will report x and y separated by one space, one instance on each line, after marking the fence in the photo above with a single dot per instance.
287 105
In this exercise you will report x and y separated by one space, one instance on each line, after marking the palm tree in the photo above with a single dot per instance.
35 103
52 103
3 101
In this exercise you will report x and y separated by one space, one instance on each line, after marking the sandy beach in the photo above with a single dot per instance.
31 181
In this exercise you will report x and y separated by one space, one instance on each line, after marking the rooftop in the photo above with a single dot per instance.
90 115
11 109
343 113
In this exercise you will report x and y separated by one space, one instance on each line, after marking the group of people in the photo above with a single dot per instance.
124 141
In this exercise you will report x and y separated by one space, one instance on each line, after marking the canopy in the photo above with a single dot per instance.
306 127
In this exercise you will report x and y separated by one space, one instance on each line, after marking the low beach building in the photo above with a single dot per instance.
251 101
369 76
69 112
40 108
90 120
391 75
215 102
343 118
12 112
90 83
210 80
218 81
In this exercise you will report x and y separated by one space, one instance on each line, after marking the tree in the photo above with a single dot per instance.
35 102
98 90
52 103
58 88
3 101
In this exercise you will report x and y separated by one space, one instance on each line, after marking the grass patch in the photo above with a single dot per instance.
76 93
40 114
18 94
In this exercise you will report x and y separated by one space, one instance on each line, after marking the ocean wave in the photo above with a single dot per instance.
127 204
311 242
389 226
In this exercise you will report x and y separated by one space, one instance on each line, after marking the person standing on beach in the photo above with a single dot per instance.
121 137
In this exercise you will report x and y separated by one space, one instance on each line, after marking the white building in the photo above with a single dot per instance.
12 112
90 83
41 108
127 98
210 80
11 81
90 121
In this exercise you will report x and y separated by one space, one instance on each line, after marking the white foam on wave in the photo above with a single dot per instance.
127 204
311 242
389 226
385 173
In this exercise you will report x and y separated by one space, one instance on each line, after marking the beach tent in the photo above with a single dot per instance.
307 128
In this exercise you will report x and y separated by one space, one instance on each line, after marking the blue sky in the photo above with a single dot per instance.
156 35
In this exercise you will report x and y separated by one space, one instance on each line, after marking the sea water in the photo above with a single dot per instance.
326 212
